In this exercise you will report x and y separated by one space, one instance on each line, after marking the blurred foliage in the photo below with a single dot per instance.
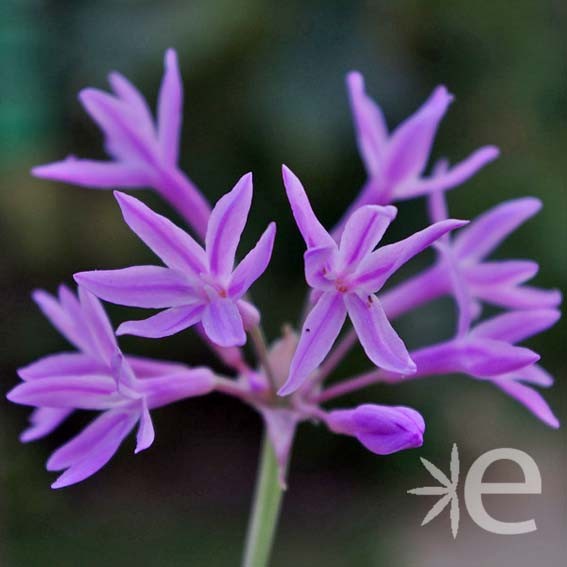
264 85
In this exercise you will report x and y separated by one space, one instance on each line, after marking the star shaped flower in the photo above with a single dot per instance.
99 378
395 162
197 285
489 352
345 279
144 151
464 267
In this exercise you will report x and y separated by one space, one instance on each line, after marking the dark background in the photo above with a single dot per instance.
264 84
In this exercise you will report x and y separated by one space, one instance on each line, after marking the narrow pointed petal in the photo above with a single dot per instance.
370 125
488 230
99 325
534 375
411 142
89 451
82 392
380 342
313 232
170 109
44 421
381 429
504 272
477 357
127 135
516 326
319 332
380 265
146 433
226 224
520 297
254 263
153 287
59 317
98 431
363 231
453 177
69 301
179 385
483 358
62 364
129 94
223 323
164 324
530 399
171 244
94 174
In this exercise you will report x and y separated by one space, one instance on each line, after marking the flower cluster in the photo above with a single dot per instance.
201 285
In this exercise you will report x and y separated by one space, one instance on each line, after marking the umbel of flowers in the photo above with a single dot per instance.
202 280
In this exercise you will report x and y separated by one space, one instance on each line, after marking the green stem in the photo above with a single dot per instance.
265 510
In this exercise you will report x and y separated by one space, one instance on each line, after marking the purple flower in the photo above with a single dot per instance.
395 162
97 377
488 352
345 279
464 269
144 153
381 429
198 285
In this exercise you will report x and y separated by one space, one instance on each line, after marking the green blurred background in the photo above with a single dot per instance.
264 85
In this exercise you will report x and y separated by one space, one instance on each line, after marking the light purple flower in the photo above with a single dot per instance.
381 429
80 326
345 279
465 271
488 352
98 377
144 152
395 162
198 285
